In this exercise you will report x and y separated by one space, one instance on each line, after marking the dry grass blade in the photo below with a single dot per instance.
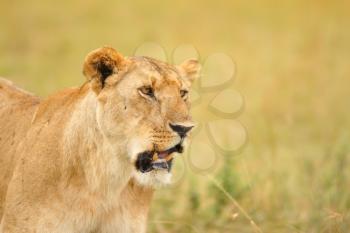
234 202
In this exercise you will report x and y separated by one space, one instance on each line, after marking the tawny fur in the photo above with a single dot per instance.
67 162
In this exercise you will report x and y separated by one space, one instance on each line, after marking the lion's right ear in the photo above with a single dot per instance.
101 64
191 69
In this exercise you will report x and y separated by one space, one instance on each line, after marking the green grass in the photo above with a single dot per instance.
292 59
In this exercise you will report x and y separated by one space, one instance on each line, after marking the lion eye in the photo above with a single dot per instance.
146 90
184 93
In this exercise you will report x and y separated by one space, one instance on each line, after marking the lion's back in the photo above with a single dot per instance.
17 108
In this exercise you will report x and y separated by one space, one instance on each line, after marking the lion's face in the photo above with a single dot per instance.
143 105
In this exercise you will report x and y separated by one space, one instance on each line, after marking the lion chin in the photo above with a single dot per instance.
155 178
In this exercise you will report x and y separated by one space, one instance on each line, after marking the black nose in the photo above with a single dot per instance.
181 129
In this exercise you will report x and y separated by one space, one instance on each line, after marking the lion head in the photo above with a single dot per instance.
143 104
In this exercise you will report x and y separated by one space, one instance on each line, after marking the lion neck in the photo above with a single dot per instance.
92 161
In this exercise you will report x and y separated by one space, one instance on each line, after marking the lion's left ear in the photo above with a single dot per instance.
190 69
101 64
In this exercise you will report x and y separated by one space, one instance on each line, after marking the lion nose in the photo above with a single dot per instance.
182 130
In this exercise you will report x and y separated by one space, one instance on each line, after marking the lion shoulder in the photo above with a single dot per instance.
17 107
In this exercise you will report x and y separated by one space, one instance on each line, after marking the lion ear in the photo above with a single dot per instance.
190 69
101 64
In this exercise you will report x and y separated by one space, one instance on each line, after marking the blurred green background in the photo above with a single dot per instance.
293 62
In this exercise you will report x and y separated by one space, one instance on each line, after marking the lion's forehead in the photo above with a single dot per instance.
160 73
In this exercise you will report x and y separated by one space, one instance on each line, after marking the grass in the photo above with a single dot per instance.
292 62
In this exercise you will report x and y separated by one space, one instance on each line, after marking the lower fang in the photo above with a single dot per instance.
169 157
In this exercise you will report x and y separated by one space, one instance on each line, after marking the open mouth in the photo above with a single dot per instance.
157 160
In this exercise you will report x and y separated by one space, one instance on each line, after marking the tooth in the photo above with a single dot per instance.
169 157
155 156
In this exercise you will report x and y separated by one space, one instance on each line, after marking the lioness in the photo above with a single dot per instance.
87 159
